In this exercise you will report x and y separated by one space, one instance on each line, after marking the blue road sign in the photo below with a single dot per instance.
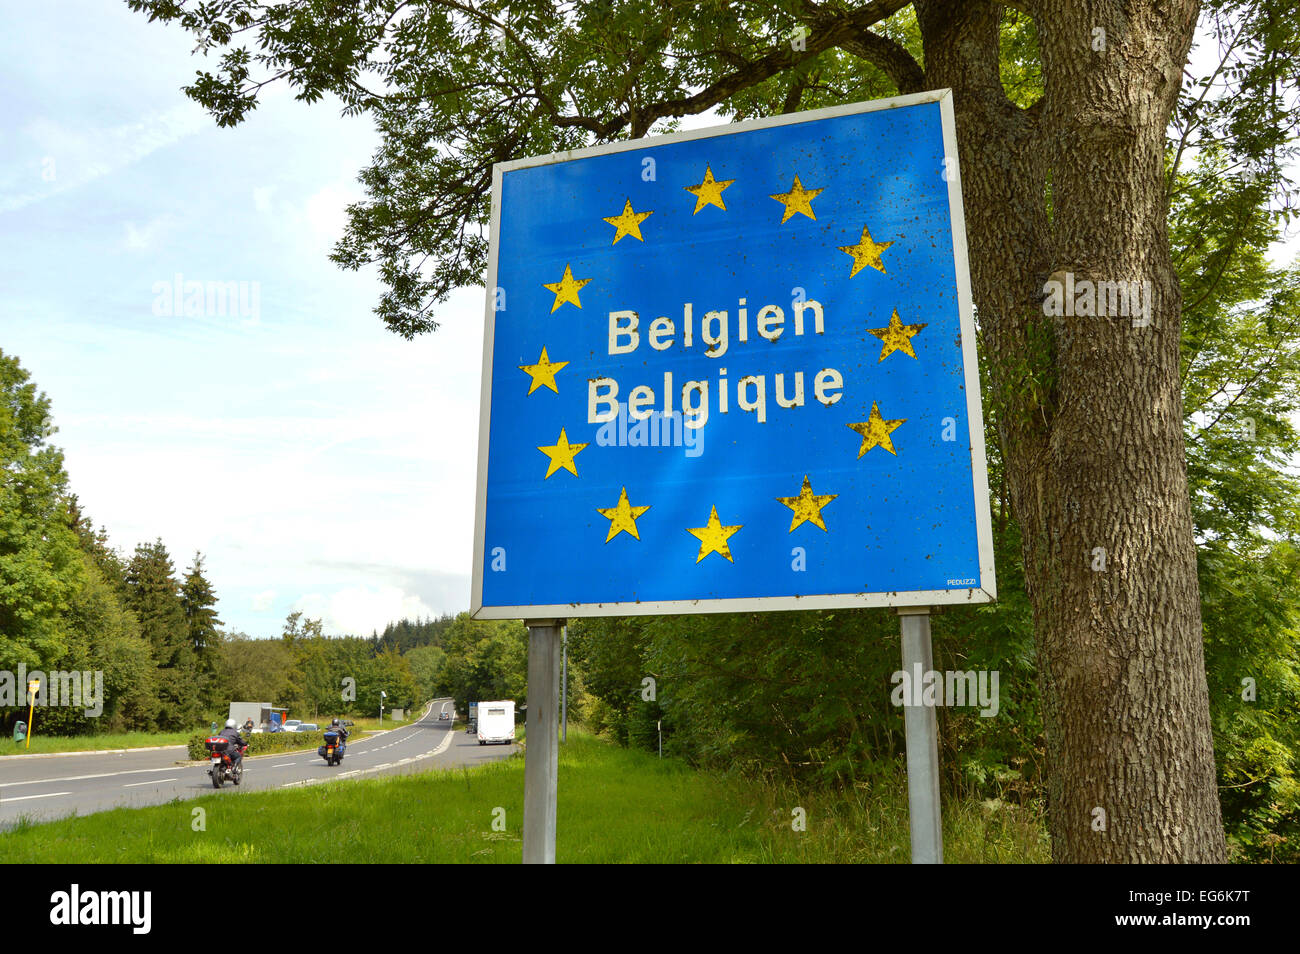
734 369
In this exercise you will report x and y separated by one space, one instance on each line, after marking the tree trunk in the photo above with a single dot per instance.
1090 411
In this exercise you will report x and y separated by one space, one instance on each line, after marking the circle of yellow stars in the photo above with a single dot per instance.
806 506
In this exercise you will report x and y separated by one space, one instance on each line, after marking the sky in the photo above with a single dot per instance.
319 462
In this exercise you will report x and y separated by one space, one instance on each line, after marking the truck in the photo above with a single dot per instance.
496 722
266 717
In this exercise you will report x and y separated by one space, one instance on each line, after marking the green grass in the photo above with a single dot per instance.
94 743
614 806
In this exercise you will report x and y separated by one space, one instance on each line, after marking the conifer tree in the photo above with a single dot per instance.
199 601
154 596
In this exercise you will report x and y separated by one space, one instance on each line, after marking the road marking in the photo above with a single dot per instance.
156 781
78 778
24 798
441 747
283 764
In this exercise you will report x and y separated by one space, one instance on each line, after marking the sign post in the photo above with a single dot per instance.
733 370
33 685
920 731
542 748
564 688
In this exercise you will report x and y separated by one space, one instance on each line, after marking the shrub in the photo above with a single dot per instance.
261 743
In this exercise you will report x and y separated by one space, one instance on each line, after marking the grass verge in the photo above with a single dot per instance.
615 805
95 743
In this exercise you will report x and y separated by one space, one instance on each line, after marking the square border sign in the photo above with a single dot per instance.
731 370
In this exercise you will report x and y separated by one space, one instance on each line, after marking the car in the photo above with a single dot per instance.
306 727
291 725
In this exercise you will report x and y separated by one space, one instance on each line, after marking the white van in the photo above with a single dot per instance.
496 722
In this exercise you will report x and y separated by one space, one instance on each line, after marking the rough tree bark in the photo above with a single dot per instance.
1090 409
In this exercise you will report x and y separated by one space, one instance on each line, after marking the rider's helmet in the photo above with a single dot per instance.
335 722
230 723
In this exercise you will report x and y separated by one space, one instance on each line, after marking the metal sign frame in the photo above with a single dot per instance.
984 591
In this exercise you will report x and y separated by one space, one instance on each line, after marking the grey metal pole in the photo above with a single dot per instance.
921 731
542 752
564 689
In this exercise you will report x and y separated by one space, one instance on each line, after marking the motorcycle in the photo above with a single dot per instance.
222 768
332 750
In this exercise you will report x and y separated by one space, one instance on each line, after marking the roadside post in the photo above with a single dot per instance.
920 730
732 370
541 744
564 688
33 685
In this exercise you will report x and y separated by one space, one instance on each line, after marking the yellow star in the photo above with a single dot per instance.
807 506
561 454
566 289
897 337
875 432
543 372
629 223
798 199
622 518
866 252
709 192
713 537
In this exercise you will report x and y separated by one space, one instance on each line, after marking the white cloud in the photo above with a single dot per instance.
262 601
326 210
72 156
358 610
141 237
262 198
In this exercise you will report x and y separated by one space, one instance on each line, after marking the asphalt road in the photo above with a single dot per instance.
46 787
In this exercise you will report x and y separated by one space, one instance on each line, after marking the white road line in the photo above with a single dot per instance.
156 781
26 797
78 778
283 764
442 747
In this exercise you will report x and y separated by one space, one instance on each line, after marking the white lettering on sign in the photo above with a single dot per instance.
716 330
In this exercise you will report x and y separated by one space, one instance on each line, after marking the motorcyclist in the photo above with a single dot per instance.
342 737
237 743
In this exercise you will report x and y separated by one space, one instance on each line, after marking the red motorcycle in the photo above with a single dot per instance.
223 768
